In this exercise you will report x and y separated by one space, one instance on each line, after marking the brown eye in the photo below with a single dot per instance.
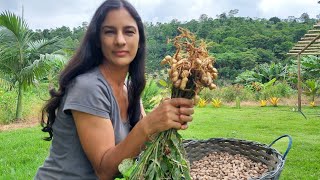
129 32
108 32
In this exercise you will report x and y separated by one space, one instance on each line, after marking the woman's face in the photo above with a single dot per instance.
119 37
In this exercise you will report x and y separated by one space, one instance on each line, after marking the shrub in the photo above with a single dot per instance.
313 104
263 103
227 94
216 103
280 89
274 101
210 94
230 93
202 102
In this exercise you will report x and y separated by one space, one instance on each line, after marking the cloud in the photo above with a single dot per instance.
166 10
50 14
285 8
41 14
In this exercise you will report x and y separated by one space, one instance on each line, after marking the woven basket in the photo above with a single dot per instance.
197 149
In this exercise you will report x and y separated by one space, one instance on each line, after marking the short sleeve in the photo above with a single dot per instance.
89 96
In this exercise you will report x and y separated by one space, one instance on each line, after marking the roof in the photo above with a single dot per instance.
309 43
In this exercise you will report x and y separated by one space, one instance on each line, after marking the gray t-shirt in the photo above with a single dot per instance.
89 93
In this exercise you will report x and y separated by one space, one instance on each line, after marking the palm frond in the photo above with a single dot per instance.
34 46
8 40
14 37
14 24
8 60
40 68
6 83
6 80
65 52
1 35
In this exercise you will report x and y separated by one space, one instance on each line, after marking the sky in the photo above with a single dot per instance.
47 14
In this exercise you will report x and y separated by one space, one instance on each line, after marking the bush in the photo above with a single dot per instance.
228 93
208 94
280 89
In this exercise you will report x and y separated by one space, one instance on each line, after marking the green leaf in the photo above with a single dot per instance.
177 174
129 171
120 179
163 83
126 166
164 165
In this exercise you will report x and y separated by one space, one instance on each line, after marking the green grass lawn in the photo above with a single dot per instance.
22 151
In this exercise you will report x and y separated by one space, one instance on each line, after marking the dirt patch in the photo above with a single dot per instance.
282 102
20 124
34 121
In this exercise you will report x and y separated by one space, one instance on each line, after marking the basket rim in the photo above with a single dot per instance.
268 174
186 142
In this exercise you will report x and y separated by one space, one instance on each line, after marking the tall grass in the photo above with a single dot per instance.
33 99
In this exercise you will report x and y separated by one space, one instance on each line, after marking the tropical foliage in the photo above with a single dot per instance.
274 101
250 52
238 43
202 103
21 64
216 103
311 88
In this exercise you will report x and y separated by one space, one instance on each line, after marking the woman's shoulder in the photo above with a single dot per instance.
90 79
92 75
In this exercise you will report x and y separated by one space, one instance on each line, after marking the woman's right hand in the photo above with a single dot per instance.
171 113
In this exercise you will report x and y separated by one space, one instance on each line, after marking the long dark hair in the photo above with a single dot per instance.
89 55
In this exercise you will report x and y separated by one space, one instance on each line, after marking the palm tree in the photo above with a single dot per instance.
21 64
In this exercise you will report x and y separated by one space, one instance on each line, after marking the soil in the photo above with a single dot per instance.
34 121
30 122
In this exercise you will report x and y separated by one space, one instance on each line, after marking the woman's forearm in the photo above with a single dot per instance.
130 147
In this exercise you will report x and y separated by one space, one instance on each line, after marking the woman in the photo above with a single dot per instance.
96 118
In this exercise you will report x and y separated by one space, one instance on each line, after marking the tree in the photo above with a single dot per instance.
233 12
222 16
20 63
234 43
275 20
304 17
298 33
259 41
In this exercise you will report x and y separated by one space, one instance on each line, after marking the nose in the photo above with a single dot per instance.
120 39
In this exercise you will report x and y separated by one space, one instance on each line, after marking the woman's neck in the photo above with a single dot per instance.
115 76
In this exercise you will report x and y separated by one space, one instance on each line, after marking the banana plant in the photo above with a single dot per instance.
267 72
261 88
21 64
